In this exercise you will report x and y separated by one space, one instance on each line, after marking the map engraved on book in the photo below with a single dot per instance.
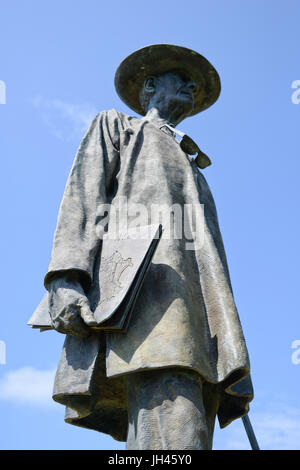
113 267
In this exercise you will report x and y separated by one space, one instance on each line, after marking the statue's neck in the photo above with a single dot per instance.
160 118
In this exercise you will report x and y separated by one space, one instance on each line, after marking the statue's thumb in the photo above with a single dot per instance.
86 313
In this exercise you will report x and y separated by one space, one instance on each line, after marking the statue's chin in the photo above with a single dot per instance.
187 103
187 110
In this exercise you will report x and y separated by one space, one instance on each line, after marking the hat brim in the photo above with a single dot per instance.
161 58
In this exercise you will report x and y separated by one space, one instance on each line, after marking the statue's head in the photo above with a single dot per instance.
172 90
167 72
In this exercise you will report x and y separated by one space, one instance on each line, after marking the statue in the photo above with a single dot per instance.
183 360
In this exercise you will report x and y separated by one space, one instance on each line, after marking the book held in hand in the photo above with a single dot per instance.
123 266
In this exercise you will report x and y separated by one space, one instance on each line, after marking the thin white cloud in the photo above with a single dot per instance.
276 428
67 121
28 385
279 429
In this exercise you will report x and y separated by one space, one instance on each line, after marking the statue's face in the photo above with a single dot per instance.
173 89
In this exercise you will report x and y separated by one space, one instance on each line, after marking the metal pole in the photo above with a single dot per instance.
250 432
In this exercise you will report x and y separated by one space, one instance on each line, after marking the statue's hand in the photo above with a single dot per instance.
69 308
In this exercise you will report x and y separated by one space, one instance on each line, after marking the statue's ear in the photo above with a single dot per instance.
150 84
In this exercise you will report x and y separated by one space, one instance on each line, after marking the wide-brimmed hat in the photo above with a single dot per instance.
161 58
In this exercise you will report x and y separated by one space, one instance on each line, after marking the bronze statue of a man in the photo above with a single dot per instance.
183 360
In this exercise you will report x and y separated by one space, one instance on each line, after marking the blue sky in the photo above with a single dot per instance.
58 60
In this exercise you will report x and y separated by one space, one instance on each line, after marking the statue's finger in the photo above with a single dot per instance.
87 315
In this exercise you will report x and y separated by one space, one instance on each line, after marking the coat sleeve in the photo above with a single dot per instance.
211 215
76 239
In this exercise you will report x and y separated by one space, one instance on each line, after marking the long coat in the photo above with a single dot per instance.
185 315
